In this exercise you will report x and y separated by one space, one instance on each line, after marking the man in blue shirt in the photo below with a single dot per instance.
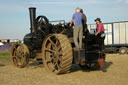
78 28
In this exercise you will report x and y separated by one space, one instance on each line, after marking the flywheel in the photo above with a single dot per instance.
57 53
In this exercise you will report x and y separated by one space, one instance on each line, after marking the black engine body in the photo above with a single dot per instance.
41 27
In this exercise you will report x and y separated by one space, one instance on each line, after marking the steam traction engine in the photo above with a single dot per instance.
54 45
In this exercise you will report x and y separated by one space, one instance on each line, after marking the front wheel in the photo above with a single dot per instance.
20 55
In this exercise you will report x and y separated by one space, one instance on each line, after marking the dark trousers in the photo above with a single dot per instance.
85 29
100 41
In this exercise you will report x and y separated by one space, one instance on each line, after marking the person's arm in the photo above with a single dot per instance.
71 22
98 29
84 18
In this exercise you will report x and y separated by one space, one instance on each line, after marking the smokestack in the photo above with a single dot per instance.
32 12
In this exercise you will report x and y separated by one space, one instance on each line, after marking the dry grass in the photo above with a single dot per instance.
116 66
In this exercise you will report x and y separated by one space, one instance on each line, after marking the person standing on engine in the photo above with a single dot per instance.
78 28
84 21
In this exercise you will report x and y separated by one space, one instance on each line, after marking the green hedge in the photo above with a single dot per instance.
5 55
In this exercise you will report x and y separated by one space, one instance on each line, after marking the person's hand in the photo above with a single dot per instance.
70 25
96 34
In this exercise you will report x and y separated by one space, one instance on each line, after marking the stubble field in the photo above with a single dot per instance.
116 67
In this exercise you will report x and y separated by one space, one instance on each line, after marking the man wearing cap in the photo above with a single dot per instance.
78 28
84 21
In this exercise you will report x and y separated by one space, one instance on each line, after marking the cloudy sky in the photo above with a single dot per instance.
14 14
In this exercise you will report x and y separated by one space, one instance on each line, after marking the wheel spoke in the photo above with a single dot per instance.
18 61
59 48
21 49
56 66
17 53
15 48
57 42
60 53
59 58
49 50
22 59
51 42
53 69
49 59
40 20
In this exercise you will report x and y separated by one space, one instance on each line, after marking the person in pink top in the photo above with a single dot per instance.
100 27
100 33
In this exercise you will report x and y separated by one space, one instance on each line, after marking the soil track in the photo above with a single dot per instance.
34 74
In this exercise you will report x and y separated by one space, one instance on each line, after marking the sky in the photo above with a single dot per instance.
15 22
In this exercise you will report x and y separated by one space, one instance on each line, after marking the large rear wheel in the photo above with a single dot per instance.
57 53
